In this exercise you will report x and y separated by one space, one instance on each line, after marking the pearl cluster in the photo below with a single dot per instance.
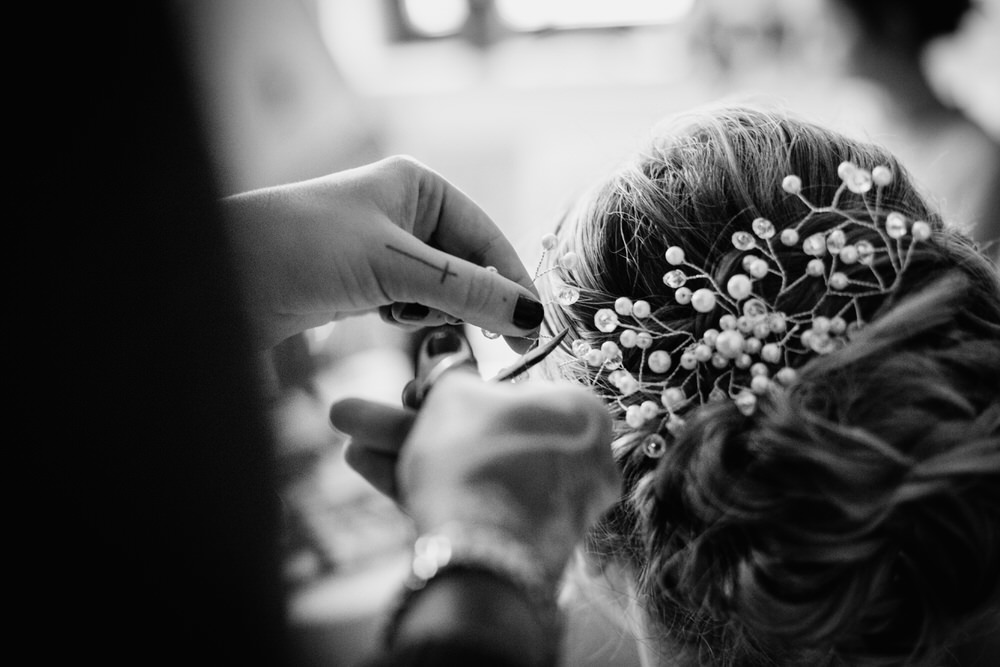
754 343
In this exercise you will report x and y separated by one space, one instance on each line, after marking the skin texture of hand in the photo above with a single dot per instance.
392 236
532 460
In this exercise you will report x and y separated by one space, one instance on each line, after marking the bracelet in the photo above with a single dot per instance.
458 546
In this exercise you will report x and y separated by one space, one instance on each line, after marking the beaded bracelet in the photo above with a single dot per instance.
458 546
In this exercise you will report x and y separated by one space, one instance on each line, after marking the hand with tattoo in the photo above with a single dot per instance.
393 236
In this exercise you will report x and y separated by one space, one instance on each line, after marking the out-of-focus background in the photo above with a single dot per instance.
523 104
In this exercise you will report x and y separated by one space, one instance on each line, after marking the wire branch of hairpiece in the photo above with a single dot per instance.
754 342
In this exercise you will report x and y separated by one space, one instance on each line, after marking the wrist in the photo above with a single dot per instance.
475 583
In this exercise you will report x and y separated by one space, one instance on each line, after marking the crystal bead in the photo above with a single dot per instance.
683 296
491 335
743 240
491 269
703 300
567 295
895 225
739 286
763 228
675 278
654 445
754 309
641 309
789 237
594 357
836 241
610 350
866 252
659 361
674 255
580 347
814 245
606 320
859 181
627 338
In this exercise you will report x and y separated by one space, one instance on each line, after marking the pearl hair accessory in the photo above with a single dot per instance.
752 342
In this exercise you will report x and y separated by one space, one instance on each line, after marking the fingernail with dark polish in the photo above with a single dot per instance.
443 342
528 313
414 311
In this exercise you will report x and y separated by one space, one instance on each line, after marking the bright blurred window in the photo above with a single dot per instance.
536 15
435 18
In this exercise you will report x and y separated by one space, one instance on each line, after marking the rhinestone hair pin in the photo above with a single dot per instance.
756 342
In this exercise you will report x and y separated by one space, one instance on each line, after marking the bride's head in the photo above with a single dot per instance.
804 366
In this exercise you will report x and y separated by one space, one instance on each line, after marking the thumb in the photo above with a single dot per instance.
478 295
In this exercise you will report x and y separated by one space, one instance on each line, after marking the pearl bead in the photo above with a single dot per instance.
702 352
549 241
771 353
838 280
744 361
610 349
759 369
791 184
629 385
649 409
860 181
838 325
845 169
777 323
761 330
703 300
640 309
821 324
683 296
633 416
786 375
921 230
758 268
623 305
727 321
866 252
672 397
719 361
688 361
881 176
849 254
789 237
815 268
752 345
739 286
709 337
674 255
659 361
746 402
759 384
594 358
570 261
643 340
729 343
627 338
